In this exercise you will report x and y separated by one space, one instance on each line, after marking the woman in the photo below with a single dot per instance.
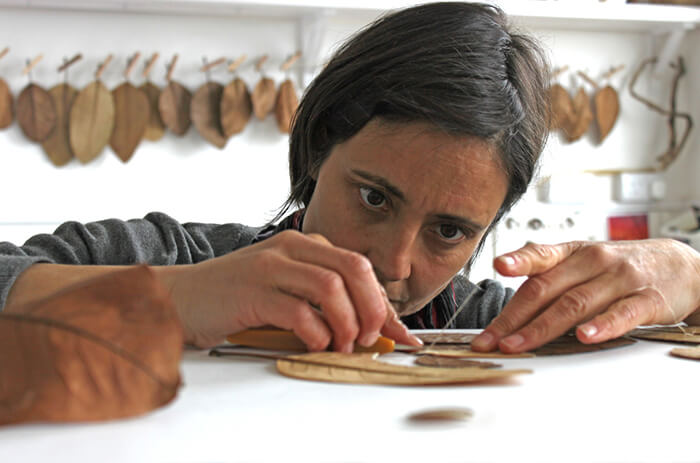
417 137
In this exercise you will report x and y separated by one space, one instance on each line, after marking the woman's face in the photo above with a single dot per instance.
414 200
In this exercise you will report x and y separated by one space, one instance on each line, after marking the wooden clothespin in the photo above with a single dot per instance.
149 66
101 68
171 67
131 62
69 63
30 65
290 61
236 63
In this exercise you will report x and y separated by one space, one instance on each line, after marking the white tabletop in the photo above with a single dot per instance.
634 403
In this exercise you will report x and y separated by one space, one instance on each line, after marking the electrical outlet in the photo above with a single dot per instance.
639 187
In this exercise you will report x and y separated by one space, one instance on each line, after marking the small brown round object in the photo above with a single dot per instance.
442 415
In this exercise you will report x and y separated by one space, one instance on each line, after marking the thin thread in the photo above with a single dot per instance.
461 307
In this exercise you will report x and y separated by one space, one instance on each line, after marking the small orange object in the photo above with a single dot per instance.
277 339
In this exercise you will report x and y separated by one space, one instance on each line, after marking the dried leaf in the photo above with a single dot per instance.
465 352
279 339
263 97
690 335
91 121
562 107
205 113
569 344
286 106
108 348
236 107
155 128
174 108
582 116
36 113
131 116
366 369
449 362
57 145
687 352
442 415
446 337
607 108
6 106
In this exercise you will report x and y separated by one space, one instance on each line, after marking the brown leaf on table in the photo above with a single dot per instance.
561 106
446 337
263 97
582 116
104 349
687 335
687 352
131 116
286 105
174 107
607 108
155 128
449 362
236 107
57 145
569 344
366 369
6 106
91 121
205 113
36 113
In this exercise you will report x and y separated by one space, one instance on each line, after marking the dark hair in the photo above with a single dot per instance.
456 66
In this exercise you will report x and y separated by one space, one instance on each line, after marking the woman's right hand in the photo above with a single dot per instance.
293 281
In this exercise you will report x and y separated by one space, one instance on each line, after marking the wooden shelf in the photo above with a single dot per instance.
613 15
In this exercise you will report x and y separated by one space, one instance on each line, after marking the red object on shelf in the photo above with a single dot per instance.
628 227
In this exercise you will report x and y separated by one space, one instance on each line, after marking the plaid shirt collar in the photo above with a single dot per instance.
435 314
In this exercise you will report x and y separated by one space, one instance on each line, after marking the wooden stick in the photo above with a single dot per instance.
588 79
212 65
261 61
612 71
31 65
131 63
69 63
171 67
5 51
235 64
290 61
558 71
103 66
149 65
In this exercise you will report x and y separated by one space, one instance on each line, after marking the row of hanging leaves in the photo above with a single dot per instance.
70 123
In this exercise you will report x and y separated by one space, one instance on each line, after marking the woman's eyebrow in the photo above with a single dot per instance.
463 221
381 182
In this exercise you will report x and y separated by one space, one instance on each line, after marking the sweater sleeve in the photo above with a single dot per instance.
157 239
480 303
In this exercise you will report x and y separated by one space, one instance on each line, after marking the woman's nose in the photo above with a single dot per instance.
393 258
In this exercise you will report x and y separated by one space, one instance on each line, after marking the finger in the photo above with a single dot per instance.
575 306
323 288
534 258
359 278
292 313
640 308
395 329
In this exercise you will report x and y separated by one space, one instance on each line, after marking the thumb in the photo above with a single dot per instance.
534 258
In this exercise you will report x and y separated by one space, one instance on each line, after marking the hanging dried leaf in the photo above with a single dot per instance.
36 113
174 108
607 108
689 335
155 128
57 145
687 352
286 106
6 106
263 97
562 107
366 369
236 107
582 116
205 113
131 116
91 121
449 362
105 349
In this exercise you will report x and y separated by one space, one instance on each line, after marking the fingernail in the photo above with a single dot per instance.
484 341
415 340
508 260
513 341
588 330
368 339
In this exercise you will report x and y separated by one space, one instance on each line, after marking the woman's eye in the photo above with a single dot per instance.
372 197
450 232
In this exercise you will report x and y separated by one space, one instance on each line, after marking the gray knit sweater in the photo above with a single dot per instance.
158 239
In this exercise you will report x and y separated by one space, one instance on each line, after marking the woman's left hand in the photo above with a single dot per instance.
604 289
